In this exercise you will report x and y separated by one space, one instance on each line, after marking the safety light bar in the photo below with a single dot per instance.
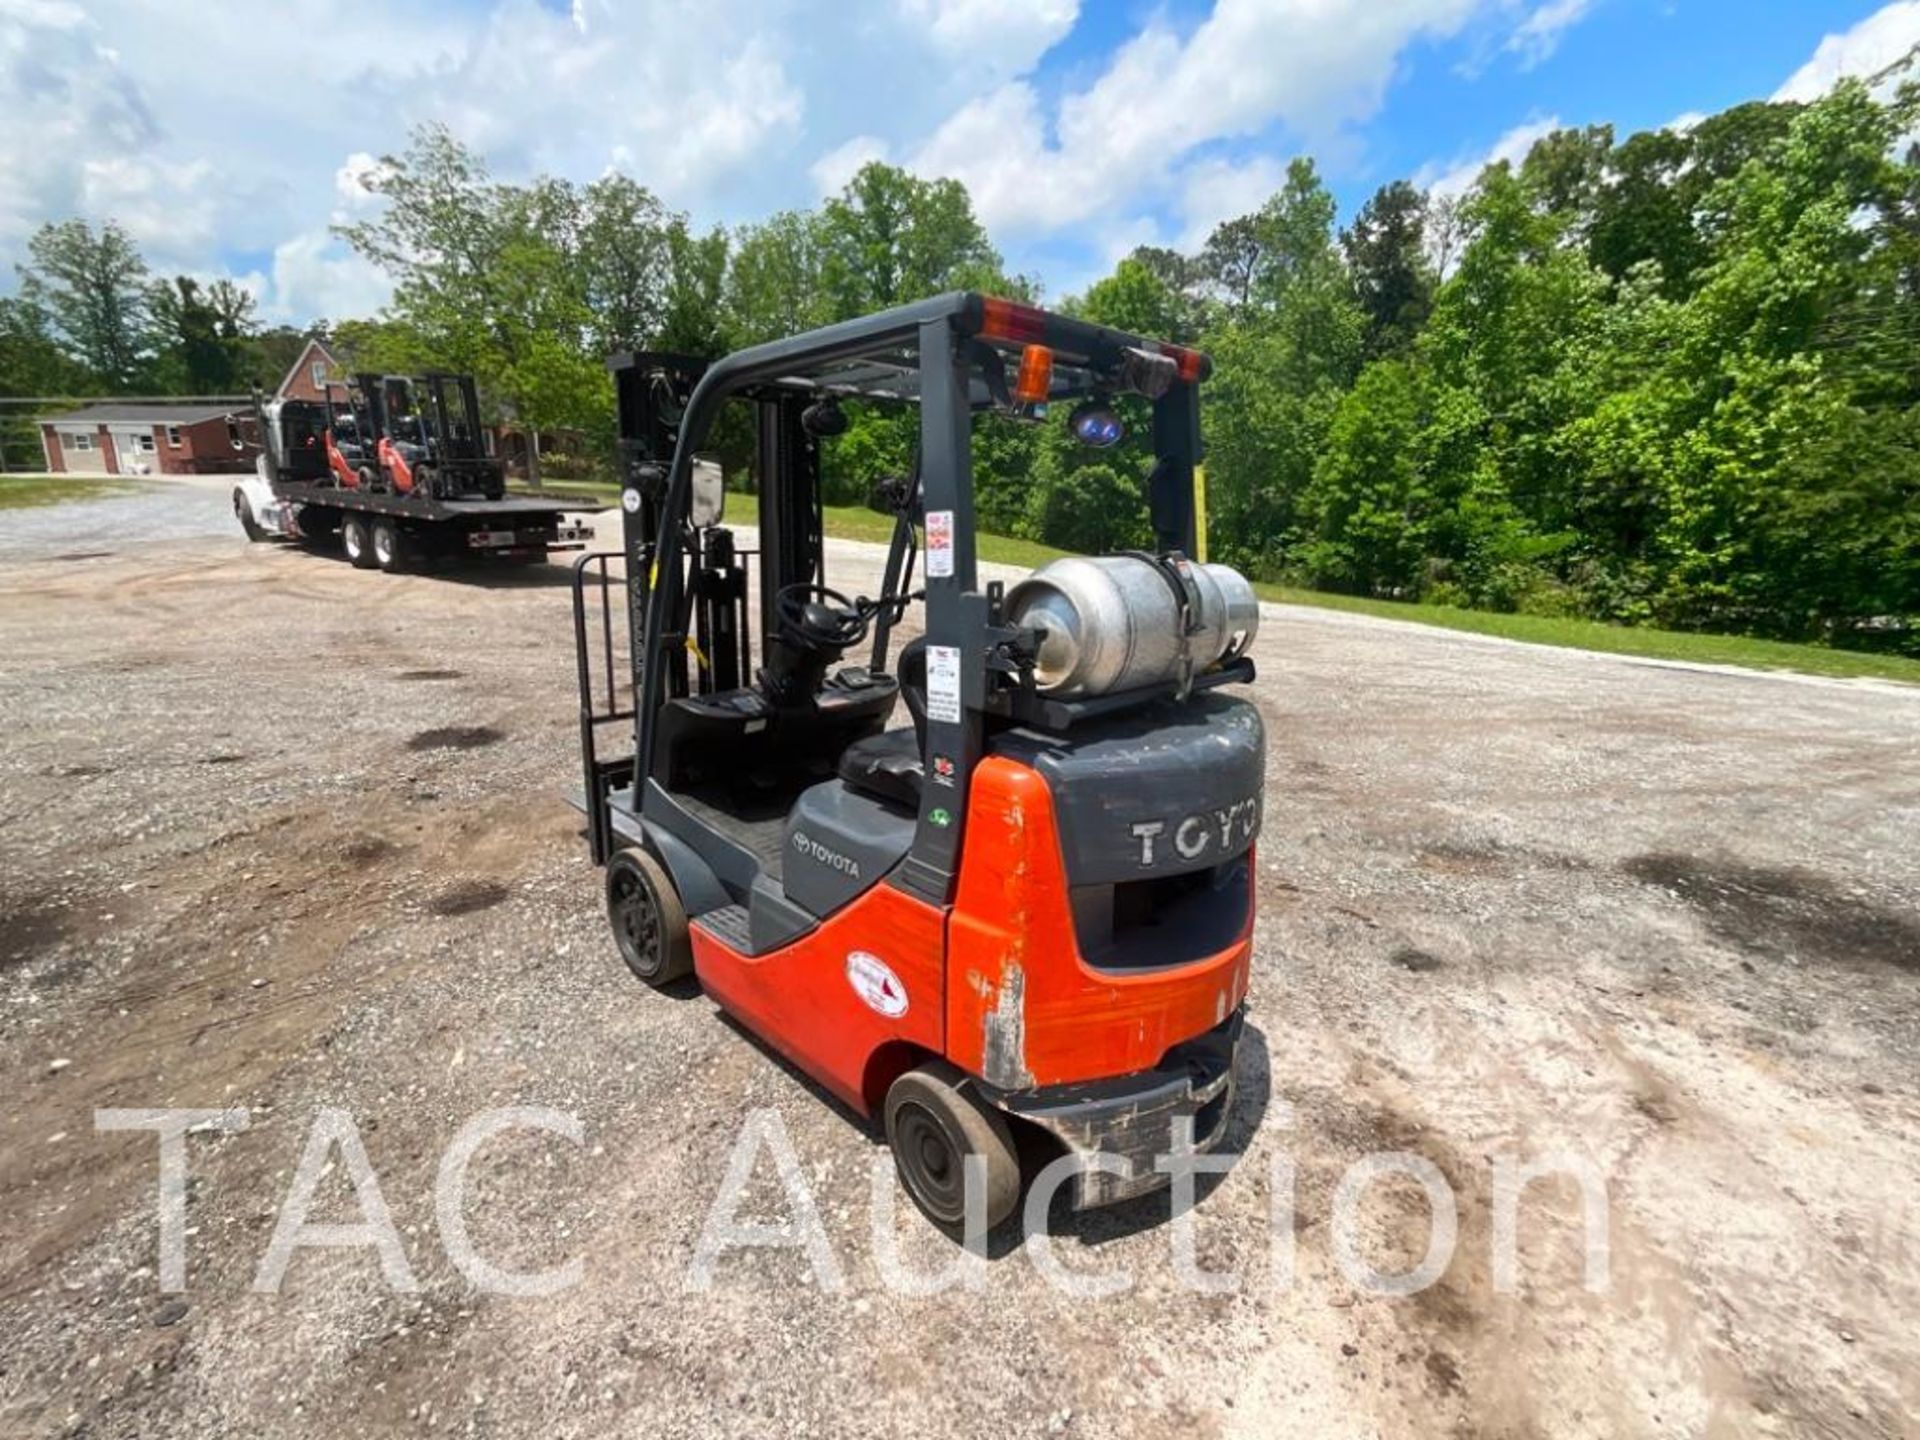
1009 320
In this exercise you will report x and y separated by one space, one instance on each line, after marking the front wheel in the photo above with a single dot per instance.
243 512
649 922
933 1127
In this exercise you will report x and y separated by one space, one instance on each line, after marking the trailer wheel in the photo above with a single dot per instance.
356 542
243 512
933 1126
389 546
649 922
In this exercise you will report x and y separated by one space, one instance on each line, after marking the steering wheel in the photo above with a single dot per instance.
816 618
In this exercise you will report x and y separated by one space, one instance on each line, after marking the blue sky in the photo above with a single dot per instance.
1082 128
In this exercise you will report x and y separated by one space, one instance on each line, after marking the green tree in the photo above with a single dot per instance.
93 288
774 286
891 237
488 278
693 319
626 260
201 334
1281 364
1386 252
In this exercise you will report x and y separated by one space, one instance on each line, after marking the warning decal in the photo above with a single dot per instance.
875 983
943 684
940 544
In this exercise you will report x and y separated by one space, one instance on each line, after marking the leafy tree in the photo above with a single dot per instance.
774 286
92 286
1133 298
201 333
1184 280
1281 365
1231 261
891 237
692 319
1386 252
626 260
1565 173
31 360
489 278
1094 507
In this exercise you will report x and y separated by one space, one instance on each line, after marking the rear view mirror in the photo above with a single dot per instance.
709 503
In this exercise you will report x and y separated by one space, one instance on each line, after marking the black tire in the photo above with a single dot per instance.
933 1125
391 551
243 512
368 480
358 544
649 922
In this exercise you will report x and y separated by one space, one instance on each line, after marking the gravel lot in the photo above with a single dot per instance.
281 835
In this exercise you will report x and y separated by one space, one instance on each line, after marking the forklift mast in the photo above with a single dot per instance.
372 406
790 507
651 389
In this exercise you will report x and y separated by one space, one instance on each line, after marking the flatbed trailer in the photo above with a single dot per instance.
292 495
392 531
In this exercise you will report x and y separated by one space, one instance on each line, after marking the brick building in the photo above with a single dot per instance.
307 379
149 438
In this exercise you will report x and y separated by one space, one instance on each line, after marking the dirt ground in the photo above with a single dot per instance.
281 835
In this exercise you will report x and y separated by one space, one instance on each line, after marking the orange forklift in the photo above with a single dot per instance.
1023 917
408 435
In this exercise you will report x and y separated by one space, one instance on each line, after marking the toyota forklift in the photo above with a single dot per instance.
1019 916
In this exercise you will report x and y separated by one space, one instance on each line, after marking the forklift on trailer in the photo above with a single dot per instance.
1030 907
397 468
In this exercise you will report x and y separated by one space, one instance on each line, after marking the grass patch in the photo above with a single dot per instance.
18 492
1618 639
855 522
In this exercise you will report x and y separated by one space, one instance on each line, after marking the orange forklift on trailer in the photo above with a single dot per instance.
1030 908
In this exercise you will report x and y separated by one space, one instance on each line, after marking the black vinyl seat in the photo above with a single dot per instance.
886 766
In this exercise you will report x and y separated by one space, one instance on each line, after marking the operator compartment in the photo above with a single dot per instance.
1157 810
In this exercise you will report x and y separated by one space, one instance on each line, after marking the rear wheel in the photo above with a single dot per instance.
933 1126
358 544
367 478
389 546
243 512
649 922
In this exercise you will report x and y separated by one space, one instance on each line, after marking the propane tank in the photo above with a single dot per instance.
1113 621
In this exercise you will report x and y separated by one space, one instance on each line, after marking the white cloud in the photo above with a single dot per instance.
833 170
353 181
169 210
1217 190
729 110
1451 179
1880 40
1311 65
314 275
1009 36
1538 36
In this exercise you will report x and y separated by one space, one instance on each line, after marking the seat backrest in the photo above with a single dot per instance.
886 766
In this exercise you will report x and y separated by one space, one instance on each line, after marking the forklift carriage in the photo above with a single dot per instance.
1031 907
